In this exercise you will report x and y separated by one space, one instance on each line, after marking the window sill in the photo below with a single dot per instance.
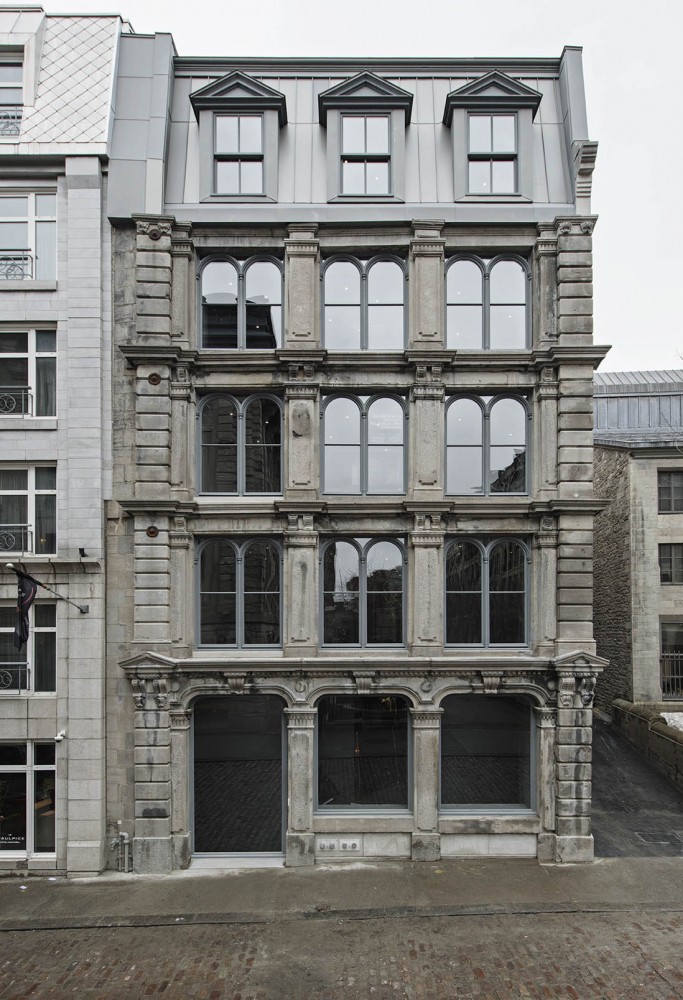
28 285
495 198
238 198
28 422
364 199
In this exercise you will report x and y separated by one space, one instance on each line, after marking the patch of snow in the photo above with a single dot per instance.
674 719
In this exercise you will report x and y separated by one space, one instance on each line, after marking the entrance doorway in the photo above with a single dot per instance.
238 774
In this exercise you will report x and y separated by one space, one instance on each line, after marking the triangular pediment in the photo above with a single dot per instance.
580 660
240 93
495 90
365 93
148 661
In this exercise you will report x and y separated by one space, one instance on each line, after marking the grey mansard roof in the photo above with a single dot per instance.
640 409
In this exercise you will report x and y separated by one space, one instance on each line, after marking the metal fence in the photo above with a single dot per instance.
10 119
15 400
14 677
671 667
15 265
16 538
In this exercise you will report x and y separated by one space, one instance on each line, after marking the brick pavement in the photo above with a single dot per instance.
539 956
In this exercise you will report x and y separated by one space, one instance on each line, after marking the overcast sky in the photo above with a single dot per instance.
633 90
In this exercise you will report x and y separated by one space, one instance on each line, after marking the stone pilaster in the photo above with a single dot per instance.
544 427
302 434
427 541
575 280
575 583
153 270
426 841
545 781
152 431
426 277
300 839
181 846
152 840
426 478
573 751
302 286
183 432
152 591
545 585
301 586
545 286
181 612
183 283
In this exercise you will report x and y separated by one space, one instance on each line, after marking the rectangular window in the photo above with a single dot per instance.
492 154
670 492
238 145
671 662
365 155
34 667
28 360
11 96
28 510
671 563
27 798
28 246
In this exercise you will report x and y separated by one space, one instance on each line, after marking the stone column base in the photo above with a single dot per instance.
299 850
425 847
574 850
152 855
181 852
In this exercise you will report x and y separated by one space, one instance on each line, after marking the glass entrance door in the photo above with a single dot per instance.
238 774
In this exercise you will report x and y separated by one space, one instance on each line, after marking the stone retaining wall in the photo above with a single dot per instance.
646 730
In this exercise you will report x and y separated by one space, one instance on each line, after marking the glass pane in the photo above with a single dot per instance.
463 567
262 567
353 134
342 422
46 341
342 328
219 421
464 283
11 73
386 283
385 566
46 400
264 311
463 619
464 474
485 751
44 667
261 619
43 753
262 469
672 637
227 134
251 177
12 753
464 328
13 374
217 620
506 567
219 282
503 176
46 251
377 136
11 96
385 619
227 177
251 136
264 283
46 477
362 751
504 134
479 177
46 530
385 422
508 283
508 327
218 563
13 479
45 615
13 235
13 823
342 283
464 422
353 177
340 593
6 618
480 133
262 422
13 208
46 206
508 422
44 811
508 432
377 177
219 305
508 470
506 598
342 469
219 468
385 328
385 469
13 343
506 614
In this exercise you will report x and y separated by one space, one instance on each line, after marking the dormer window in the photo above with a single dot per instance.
239 154
492 154
366 154
11 95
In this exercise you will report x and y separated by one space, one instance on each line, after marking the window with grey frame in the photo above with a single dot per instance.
486 592
492 154
29 800
11 94
671 563
240 448
364 445
364 304
487 303
486 445
362 592
238 154
28 361
28 243
365 155
240 592
670 492
28 510
33 668
241 303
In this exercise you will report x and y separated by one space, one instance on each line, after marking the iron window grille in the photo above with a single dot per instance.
364 304
364 445
487 303
486 445
241 303
671 660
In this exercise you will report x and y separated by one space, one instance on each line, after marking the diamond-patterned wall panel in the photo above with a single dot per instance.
74 85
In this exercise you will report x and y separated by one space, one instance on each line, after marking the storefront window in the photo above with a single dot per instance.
27 798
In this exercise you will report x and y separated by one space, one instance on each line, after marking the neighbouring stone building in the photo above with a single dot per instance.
639 536
56 88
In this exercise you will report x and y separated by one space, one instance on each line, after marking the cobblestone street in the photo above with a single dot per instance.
619 955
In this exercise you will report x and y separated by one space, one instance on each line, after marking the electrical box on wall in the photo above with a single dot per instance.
338 846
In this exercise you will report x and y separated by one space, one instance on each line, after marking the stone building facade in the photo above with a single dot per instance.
56 89
639 536
350 543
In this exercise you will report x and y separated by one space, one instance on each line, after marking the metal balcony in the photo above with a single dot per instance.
14 677
10 119
16 538
671 668
16 401
16 265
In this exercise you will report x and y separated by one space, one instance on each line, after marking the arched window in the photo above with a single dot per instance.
362 592
364 305
240 445
239 588
363 439
487 304
241 304
486 444
486 587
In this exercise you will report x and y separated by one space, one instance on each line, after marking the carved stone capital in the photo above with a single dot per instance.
365 680
426 718
545 717
180 719
435 392
301 718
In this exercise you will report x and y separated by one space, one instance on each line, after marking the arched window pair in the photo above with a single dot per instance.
362 594
241 304
486 442
364 304
486 588
240 445
487 304
363 440
239 592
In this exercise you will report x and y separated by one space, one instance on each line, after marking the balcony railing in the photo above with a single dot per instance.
16 538
10 119
15 400
671 667
15 265
14 677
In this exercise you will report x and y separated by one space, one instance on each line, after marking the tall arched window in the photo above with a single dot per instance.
363 438
241 304
239 592
486 444
486 587
240 445
364 305
487 303
362 592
